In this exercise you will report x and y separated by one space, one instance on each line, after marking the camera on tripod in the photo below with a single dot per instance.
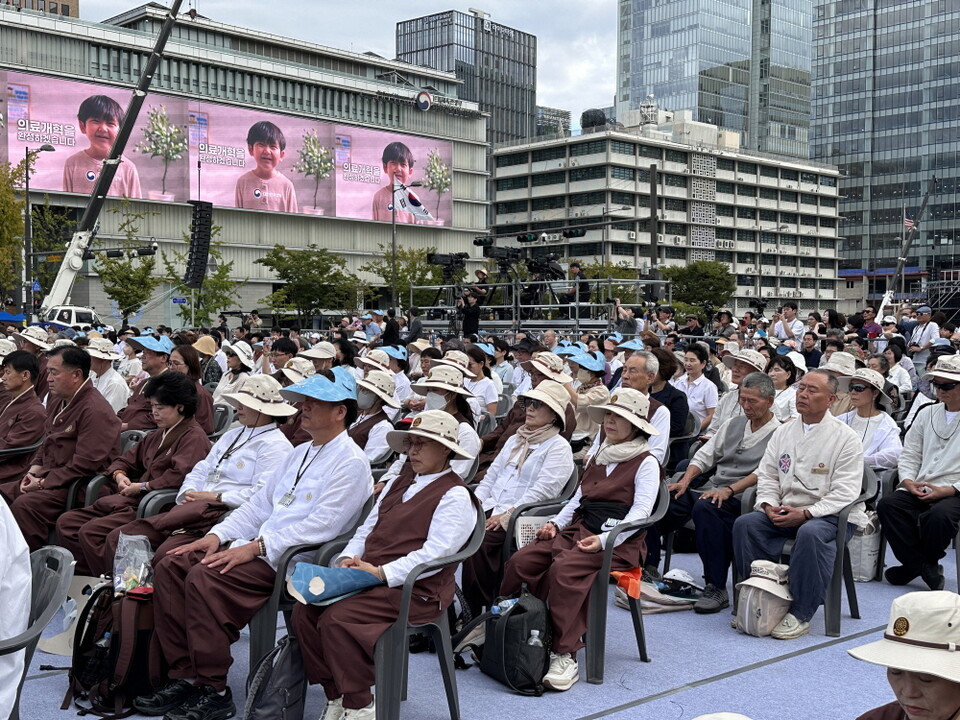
509 255
450 262
547 267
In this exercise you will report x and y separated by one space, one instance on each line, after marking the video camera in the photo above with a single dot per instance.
503 254
450 262
547 267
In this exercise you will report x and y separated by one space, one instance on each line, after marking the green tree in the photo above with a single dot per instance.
11 226
627 293
52 229
128 280
412 269
315 280
219 290
705 282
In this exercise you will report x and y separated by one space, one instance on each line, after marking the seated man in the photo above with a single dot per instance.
730 458
425 513
82 434
920 519
810 471
741 364
159 461
22 417
155 354
208 590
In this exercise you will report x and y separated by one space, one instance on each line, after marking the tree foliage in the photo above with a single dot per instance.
412 269
627 293
705 282
11 226
218 292
52 230
128 280
314 279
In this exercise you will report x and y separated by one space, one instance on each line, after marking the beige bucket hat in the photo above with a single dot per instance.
841 362
457 359
298 368
36 336
947 368
870 377
751 357
206 345
554 396
770 576
418 346
7 347
321 351
436 425
380 384
261 393
102 348
628 403
548 365
374 360
243 351
442 377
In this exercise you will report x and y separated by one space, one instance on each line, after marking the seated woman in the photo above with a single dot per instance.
398 371
702 394
588 368
918 649
184 359
295 370
369 432
461 361
490 356
619 484
423 514
870 419
784 374
533 465
481 385
161 460
210 371
240 366
896 380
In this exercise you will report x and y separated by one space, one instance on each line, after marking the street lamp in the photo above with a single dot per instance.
28 230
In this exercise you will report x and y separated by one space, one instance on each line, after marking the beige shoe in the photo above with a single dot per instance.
563 672
333 710
367 713
790 628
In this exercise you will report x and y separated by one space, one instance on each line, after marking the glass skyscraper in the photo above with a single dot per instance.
743 65
886 110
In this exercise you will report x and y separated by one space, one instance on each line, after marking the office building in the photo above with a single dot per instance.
743 65
772 220
217 86
71 8
497 65
552 121
886 107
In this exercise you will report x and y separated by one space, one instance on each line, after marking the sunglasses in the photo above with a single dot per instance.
860 388
533 404
946 387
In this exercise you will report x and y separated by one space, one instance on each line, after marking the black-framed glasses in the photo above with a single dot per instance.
946 387
859 388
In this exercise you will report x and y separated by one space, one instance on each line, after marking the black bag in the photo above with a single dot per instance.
278 688
594 513
505 653
115 658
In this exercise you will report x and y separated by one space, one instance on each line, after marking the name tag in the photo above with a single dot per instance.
820 471
287 499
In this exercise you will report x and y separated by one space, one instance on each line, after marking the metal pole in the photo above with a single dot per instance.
393 244
27 293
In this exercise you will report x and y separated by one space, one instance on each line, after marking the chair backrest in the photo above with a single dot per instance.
129 438
23 450
571 487
468 478
486 424
223 416
210 387
504 403
385 459
690 427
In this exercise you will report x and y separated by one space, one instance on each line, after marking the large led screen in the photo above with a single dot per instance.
184 149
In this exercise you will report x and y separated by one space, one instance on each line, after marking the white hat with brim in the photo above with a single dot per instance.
102 348
922 636
770 576
380 384
417 346
554 396
799 362
841 362
457 359
870 377
947 368
442 377
297 369
320 351
629 404
374 360
360 337
436 425
7 347
243 351
549 365
35 336
751 357
262 394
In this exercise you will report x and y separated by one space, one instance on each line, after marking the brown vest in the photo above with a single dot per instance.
292 430
619 486
360 432
402 527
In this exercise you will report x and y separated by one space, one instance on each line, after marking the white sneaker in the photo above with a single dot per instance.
790 628
367 713
333 710
563 672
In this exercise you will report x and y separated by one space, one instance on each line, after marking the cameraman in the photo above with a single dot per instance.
470 312
581 289
626 320
664 324
481 288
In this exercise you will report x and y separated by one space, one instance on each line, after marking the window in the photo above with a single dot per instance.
513 159
786 174
768 194
746 236
677 156
746 258
725 210
768 171
554 178
747 168
514 206
591 198
551 153
514 183
622 173
675 181
727 188
624 148
747 190
588 148
649 151
622 198
64 9
53 8
553 202
723 233
675 253
675 204
746 213
596 172
768 259
726 164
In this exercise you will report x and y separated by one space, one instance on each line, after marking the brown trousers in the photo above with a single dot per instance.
338 641
199 612
561 575
483 570
36 513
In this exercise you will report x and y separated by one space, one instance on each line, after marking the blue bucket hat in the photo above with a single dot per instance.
318 585
400 353
591 361
635 344
487 348
366 316
616 337
317 387
162 345
581 346
568 350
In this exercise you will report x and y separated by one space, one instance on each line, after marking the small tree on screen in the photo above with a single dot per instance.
314 161
436 177
162 139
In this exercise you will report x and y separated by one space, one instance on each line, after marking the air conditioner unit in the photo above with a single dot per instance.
819 274
574 163
748 292
716 221
561 163
631 235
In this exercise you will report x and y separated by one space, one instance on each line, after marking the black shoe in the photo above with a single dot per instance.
651 574
209 705
713 600
170 696
900 574
932 575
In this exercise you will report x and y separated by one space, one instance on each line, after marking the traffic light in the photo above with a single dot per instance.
201 227
574 233
527 238
484 241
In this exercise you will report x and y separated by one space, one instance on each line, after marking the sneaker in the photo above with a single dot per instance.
651 574
209 705
713 600
790 628
169 697
367 713
932 575
333 710
563 672
900 574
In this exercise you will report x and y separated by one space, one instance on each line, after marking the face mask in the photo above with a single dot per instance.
365 399
584 376
435 401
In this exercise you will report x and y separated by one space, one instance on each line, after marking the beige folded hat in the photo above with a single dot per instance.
770 576
380 384
7 347
102 348
842 363
36 336
261 393
548 365
206 345
374 360
442 377
321 351
298 368
457 359
243 351
750 357
870 377
628 403
436 425
554 396
947 368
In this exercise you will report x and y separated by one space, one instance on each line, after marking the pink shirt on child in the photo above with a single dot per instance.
276 194
80 173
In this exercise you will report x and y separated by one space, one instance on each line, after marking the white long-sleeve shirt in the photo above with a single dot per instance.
901 378
376 446
113 388
727 407
15 588
931 449
256 453
229 383
815 467
542 477
646 484
335 482
879 436
521 381
451 526
467 438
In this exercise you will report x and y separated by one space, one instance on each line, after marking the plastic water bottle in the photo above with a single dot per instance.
534 639
104 641
507 604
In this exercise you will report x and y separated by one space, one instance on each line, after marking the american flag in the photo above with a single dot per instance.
907 222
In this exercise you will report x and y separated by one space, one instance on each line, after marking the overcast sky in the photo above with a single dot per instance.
576 39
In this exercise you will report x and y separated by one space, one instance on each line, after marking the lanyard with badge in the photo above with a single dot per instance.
290 495
213 477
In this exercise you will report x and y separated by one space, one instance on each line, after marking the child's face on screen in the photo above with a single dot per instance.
399 169
101 133
268 156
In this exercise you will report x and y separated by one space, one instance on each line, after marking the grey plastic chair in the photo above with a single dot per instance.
472 472
487 423
504 403
52 570
223 416
532 509
887 481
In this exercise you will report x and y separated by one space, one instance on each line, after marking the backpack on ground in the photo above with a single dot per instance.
278 687
506 653
115 658
764 598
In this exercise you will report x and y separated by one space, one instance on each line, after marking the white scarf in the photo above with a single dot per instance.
610 453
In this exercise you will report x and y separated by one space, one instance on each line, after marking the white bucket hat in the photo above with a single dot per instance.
298 368
799 362
261 393
35 335
750 357
947 368
922 636
360 337
548 365
380 384
628 403
442 377
770 576
436 425
418 346
842 362
554 396
374 360
321 351
102 348
7 347
871 377
457 359
243 351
